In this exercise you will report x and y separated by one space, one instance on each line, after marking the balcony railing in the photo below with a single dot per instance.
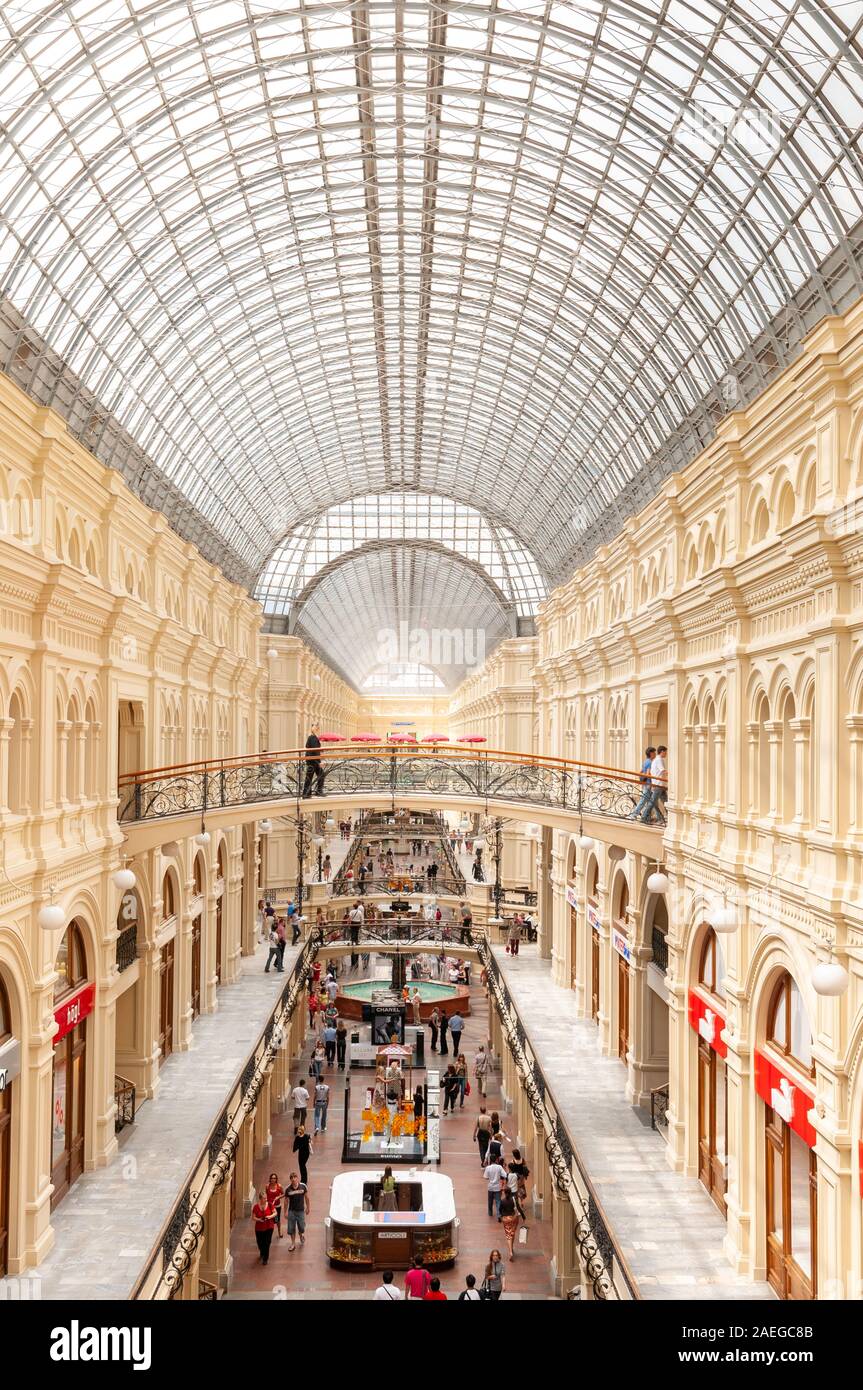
124 1103
127 947
482 775
660 949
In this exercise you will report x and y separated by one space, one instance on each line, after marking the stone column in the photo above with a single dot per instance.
217 1263
565 1269
701 733
719 780
63 729
753 736
774 738
800 729
6 727
80 734
854 725
183 979
245 1167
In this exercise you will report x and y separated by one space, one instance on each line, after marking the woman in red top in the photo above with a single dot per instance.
264 1217
275 1192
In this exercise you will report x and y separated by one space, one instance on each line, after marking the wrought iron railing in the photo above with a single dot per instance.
127 947
397 885
124 1103
602 1257
484 775
455 872
183 1229
660 949
397 929
659 1109
207 1292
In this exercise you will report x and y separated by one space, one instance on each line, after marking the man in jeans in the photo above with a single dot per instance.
330 1040
658 787
297 1198
495 1176
322 1100
300 1098
649 755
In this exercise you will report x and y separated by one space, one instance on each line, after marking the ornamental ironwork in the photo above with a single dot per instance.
543 782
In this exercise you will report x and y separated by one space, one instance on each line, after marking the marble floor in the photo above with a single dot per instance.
306 1273
110 1220
668 1228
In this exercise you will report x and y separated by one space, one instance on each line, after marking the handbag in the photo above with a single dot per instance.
467 1088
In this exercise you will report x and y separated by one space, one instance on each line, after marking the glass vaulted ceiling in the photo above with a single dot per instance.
495 251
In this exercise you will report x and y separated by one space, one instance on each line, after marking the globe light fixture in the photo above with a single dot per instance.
657 882
203 837
124 879
586 842
830 979
722 918
265 826
51 917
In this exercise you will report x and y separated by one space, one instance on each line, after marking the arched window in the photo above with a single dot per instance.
169 901
5 1014
711 969
198 874
71 962
788 1028
786 507
761 523
17 793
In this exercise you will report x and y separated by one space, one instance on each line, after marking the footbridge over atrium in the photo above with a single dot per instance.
607 803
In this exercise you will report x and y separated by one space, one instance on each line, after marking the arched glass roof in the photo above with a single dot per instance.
399 517
403 676
497 251
404 605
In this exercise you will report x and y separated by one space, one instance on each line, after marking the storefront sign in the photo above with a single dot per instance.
10 1062
571 896
621 945
72 1011
593 919
708 1022
783 1093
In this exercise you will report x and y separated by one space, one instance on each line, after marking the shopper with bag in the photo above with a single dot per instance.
509 1220
264 1217
517 1181
494 1283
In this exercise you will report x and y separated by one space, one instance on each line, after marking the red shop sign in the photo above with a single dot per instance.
71 1011
784 1094
708 1022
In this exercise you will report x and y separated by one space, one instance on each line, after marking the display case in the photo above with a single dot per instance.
420 1221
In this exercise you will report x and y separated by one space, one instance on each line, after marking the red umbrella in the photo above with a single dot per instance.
365 738
399 738
470 738
331 738
436 738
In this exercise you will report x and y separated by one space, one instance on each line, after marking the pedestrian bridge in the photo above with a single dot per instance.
170 802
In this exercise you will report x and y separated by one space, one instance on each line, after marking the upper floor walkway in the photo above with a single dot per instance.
556 792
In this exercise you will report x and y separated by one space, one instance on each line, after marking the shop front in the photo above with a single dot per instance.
707 1019
624 955
74 997
10 1066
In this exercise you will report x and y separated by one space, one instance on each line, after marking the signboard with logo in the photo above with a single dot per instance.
783 1092
10 1062
708 1022
593 918
621 945
433 1117
70 1013
571 897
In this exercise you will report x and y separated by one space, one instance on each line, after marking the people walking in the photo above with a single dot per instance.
494 1283
434 1025
509 1219
470 1293
330 1037
314 766
387 1291
435 1292
302 1147
417 1280
517 1181
319 1057
419 1106
444 1025
300 1099
273 954
480 1070
461 1078
357 916
341 1043
456 1027
264 1217
327 869
482 1134
416 1004
322 1101
514 940
495 1177
387 1198
275 1194
658 787
644 777
450 1089
297 1198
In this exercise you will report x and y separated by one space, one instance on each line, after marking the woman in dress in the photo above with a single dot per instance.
461 1073
509 1219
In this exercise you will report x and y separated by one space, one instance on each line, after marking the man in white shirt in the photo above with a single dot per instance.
387 1291
300 1098
495 1176
356 917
